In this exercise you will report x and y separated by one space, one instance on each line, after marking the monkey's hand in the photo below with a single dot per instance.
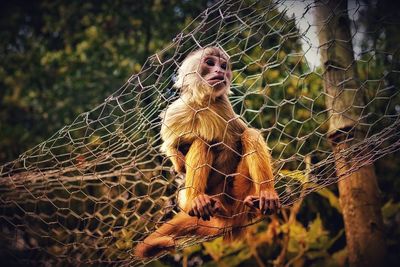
179 165
268 201
203 206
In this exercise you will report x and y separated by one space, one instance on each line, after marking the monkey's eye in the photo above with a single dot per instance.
210 62
224 66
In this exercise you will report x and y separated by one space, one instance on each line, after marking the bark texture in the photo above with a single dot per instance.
359 192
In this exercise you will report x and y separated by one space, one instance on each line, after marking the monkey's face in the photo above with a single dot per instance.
205 72
215 72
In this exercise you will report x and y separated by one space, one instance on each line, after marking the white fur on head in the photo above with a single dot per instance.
189 79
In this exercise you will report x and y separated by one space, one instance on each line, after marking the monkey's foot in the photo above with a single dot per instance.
205 207
268 202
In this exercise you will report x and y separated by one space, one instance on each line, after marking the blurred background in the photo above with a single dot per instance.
61 58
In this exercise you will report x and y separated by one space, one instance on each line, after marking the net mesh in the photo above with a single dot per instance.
98 186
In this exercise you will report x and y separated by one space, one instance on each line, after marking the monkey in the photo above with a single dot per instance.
226 164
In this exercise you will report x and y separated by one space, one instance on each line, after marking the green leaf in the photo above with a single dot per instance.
236 259
219 249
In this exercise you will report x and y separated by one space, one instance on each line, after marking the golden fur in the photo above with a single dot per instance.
220 156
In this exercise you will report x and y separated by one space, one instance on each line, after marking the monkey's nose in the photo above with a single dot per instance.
220 71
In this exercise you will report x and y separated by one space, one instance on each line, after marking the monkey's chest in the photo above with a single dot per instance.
226 160
212 128
223 137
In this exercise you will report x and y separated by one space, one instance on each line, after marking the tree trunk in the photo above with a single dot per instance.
358 189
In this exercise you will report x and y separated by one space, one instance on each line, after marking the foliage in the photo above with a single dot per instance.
61 58
276 241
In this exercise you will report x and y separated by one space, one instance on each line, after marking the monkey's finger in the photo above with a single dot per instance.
271 206
256 203
266 210
197 213
213 201
195 209
199 208
262 204
209 208
202 205
248 203
216 206
203 209
193 212
205 217
268 207
277 205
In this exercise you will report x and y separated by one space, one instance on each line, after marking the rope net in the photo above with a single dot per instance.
99 186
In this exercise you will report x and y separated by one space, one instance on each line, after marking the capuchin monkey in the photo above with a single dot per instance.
228 176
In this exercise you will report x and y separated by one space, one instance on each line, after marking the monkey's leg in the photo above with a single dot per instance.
163 240
257 158
243 186
242 183
256 161
198 160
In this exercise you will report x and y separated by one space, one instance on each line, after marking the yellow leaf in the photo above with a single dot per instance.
82 46
390 209
92 32
95 140
273 74
296 175
332 198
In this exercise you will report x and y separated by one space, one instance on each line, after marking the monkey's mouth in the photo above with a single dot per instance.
218 79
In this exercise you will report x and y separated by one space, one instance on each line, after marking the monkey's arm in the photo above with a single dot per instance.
198 164
171 129
257 157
